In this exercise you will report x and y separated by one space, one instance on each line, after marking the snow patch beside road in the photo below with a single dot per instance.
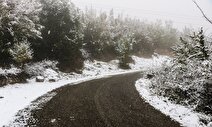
157 61
184 115
12 70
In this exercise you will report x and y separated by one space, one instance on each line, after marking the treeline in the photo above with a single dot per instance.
34 30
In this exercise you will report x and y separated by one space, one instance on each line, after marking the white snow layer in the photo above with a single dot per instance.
155 62
12 70
184 115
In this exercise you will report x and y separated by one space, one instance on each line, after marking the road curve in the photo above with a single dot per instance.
107 102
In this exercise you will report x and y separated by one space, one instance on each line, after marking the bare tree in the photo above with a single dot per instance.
204 15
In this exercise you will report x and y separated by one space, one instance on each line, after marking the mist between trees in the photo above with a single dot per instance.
34 30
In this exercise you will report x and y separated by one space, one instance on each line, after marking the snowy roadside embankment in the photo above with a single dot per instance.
16 97
182 114
186 116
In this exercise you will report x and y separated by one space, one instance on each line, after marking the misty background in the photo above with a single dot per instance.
181 12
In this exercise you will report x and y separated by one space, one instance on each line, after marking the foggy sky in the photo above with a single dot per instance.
181 12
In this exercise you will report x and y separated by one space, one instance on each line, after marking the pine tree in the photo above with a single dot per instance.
97 39
124 49
61 36
200 47
193 48
21 52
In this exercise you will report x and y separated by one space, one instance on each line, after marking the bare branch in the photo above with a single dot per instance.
210 21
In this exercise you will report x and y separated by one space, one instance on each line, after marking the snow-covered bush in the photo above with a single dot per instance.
21 52
185 80
38 68
12 70
124 48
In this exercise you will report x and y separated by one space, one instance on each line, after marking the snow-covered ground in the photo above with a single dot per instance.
155 62
12 70
18 96
184 115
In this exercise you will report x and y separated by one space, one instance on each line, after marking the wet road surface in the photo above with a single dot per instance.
107 102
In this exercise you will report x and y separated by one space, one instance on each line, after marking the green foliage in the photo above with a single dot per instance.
162 37
191 48
16 25
103 31
61 36
21 52
56 30
124 48
185 81
98 40
200 49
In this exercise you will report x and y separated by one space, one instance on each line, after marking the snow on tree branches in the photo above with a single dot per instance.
185 81
21 52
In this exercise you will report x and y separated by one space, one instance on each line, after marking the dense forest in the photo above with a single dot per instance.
35 30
